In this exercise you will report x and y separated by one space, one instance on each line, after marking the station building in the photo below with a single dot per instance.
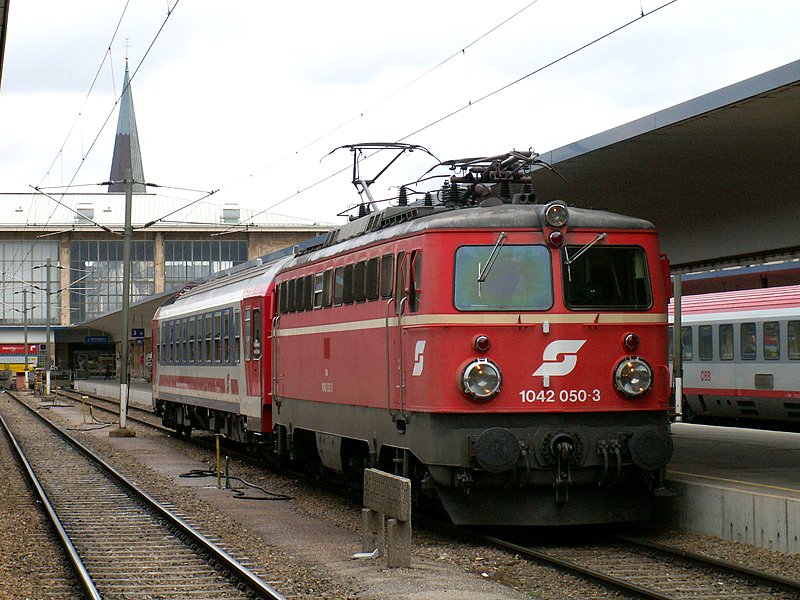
175 240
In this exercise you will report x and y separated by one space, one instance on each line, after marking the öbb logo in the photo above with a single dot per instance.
552 367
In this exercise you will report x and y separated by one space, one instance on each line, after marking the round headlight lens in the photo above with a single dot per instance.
556 215
482 379
633 377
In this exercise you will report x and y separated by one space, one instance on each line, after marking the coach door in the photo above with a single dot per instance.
253 344
400 359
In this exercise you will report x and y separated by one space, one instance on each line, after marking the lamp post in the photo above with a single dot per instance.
126 290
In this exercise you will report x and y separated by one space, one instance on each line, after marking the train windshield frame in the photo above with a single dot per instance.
606 278
519 278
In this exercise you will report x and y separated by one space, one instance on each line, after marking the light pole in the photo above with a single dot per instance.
25 329
126 290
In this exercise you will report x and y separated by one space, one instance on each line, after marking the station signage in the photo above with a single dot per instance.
95 339
137 333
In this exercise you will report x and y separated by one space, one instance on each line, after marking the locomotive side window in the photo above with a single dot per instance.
338 286
387 275
608 277
247 330
318 290
414 279
359 281
687 343
793 338
400 280
372 279
705 338
284 295
726 342
347 285
308 292
327 288
772 340
519 278
747 341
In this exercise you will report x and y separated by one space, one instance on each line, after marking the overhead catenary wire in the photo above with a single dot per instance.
470 104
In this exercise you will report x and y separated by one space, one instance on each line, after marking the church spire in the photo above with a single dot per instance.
127 154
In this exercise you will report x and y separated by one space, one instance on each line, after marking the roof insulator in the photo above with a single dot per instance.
505 189
428 199
403 200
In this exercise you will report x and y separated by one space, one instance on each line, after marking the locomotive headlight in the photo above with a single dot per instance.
482 379
556 215
633 377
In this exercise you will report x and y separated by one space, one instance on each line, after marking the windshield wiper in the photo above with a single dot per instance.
569 260
483 272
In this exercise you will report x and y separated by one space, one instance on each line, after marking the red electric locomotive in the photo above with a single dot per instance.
509 357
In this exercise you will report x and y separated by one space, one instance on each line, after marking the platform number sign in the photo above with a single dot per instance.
137 333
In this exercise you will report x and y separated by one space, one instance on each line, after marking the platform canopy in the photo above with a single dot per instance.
718 175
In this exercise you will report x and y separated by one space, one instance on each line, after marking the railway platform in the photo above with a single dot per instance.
732 483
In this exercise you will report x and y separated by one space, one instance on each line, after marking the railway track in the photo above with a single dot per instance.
121 542
652 571
648 570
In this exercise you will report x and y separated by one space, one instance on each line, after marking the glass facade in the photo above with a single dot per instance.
96 276
190 260
22 268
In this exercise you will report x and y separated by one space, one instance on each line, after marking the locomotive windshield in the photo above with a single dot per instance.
519 278
606 277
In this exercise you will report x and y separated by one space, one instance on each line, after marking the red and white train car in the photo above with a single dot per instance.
741 355
510 358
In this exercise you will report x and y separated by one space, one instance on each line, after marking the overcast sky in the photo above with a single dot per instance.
248 96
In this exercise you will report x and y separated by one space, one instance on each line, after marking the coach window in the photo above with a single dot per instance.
256 334
347 284
359 281
217 337
237 336
414 281
247 331
726 342
318 289
793 338
226 337
338 286
184 346
327 288
387 275
687 343
191 339
747 342
209 355
705 344
772 340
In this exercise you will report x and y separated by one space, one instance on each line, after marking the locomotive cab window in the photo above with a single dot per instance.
517 278
606 277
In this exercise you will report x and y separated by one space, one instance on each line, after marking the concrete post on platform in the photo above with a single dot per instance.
387 495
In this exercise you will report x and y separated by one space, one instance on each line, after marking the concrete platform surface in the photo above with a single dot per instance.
733 483
737 484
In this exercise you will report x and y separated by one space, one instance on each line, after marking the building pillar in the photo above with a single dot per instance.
158 262
64 278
